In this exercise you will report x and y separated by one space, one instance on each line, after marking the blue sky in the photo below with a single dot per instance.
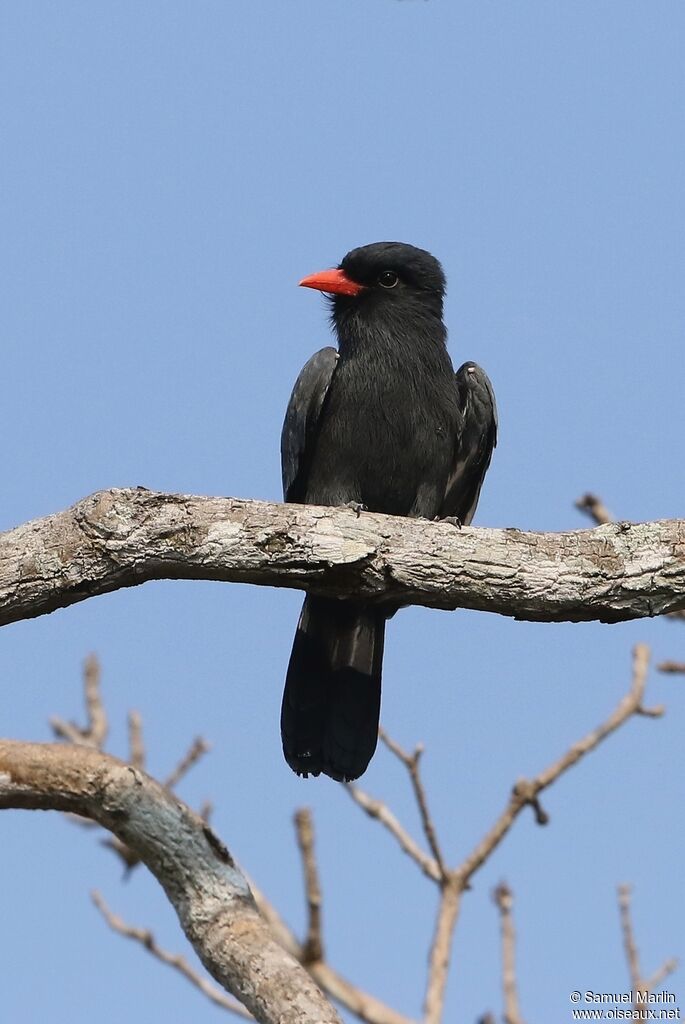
168 173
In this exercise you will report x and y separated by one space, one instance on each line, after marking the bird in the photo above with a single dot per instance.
380 424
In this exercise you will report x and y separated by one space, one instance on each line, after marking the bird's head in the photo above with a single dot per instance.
385 280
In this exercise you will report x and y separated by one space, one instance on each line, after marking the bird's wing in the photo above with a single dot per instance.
477 441
302 421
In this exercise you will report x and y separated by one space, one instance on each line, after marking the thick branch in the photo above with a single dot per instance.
210 895
121 538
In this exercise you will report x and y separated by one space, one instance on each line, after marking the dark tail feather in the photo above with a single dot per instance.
332 698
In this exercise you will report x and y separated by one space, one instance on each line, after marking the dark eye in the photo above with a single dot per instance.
388 279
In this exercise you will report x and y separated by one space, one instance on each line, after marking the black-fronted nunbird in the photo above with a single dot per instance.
383 424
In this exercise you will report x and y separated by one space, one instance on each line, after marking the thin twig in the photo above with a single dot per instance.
660 975
94 733
146 939
365 1006
641 987
526 791
382 813
671 666
504 899
198 748
129 859
135 739
312 950
629 945
595 508
97 719
441 948
411 763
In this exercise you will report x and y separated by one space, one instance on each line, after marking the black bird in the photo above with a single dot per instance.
383 424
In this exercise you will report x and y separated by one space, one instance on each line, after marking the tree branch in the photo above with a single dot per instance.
121 538
356 1000
95 732
382 813
210 895
146 939
526 791
412 763
504 899
595 508
312 950
441 949
640 986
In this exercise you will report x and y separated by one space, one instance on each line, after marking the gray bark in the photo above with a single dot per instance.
120 538
209 893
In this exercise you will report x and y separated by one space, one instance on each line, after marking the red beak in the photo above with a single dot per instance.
335 281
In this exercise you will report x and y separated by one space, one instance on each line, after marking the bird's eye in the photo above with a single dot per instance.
388 279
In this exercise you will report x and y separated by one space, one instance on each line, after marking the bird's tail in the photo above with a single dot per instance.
332 697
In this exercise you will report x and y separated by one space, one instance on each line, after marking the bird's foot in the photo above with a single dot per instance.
357 507
452 520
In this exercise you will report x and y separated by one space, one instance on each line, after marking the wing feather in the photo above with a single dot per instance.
302 421
476 444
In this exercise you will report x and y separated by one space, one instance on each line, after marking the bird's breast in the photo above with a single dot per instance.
387 436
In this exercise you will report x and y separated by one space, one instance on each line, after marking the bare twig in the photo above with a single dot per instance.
411 763
382 813
640 986
595 508
365 1006
660 975
673 667
94 733
128 858
526 791
135 739
441 948
504 899
146 939
198 749
629 945
312 950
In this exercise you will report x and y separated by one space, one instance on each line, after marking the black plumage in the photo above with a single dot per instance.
385 423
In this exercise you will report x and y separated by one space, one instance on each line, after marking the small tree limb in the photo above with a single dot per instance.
312 950
146 939
640 986
382 813
526 791
412 763
504 899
